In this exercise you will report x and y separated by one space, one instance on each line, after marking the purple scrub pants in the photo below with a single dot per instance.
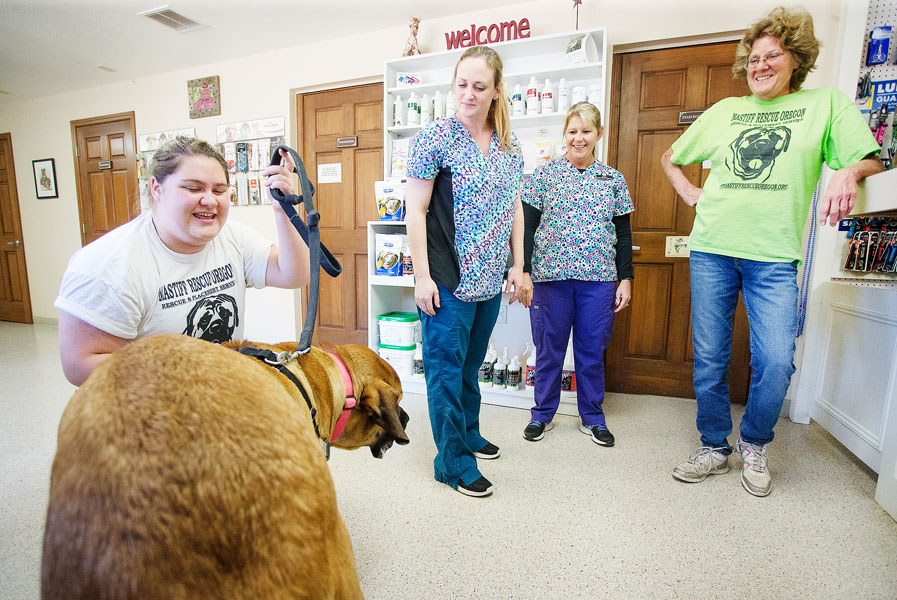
587 307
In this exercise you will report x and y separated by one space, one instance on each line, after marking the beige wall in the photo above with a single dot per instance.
261 86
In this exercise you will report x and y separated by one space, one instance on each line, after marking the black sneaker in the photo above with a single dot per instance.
488 452
601 435
479 488
535 431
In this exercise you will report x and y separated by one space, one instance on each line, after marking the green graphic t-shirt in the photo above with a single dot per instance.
766 157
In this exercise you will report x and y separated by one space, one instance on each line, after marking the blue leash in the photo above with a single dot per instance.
808 264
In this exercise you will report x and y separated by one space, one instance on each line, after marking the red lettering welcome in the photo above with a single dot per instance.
487 34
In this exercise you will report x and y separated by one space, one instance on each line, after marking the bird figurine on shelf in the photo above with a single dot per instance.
576 5
411 45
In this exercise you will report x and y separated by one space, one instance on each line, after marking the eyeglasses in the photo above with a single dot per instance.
773 56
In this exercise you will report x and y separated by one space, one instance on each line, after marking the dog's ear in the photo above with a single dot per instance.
380 401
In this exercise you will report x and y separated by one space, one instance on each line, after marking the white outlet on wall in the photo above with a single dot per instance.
502 314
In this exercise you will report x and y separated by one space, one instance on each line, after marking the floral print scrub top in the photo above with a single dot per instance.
576 238
472 207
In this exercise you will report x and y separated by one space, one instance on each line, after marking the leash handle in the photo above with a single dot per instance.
309 232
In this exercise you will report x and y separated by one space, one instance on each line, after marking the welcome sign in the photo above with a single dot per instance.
487 34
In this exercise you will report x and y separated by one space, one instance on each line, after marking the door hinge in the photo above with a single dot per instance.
83 228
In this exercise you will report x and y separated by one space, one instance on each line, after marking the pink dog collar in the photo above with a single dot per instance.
350 397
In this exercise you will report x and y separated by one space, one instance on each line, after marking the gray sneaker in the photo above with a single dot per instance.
754 473
702 462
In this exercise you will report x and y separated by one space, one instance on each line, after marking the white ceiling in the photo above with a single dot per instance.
53 46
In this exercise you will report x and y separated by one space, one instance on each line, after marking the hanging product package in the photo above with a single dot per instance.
879 45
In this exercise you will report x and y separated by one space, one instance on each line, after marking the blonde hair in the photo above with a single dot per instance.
589 114
794 30
498 117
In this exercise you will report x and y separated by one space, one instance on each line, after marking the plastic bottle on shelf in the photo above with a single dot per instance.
532 97
547 98
595 95
563 99
450 105
529 376
518 103
500 373
514 374
413 117
407 265
568 375
417 362
426 110
578 94
486 369
398 108
438 106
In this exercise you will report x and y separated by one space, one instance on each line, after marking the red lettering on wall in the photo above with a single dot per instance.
487 34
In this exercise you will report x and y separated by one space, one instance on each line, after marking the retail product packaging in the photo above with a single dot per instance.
543 152
582 50
399 157
242 189
400 358
399 328
242 157
407 79
264 150
879 45
389 254
390 200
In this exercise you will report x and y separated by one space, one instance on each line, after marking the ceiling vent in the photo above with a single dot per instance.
171 19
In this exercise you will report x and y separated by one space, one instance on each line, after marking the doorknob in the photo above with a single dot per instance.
636 247
15 243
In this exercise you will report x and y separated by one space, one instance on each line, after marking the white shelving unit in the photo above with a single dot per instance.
543 57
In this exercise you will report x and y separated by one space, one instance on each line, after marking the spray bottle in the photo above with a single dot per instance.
500 374
398 108
484 376
532 97
530 373
413 117
568 375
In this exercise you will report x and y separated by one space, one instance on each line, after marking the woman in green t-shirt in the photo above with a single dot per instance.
766 151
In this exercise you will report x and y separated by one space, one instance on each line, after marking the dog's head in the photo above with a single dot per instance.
213 319
377 420
754 151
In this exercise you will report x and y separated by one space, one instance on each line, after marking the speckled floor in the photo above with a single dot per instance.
569 519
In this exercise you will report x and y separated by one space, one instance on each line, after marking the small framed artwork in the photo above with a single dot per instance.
45 178
204 97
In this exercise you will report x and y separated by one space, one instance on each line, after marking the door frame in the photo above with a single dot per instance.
14 196
130 116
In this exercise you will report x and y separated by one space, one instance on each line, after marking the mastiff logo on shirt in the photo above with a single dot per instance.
213 319
765 136
214 315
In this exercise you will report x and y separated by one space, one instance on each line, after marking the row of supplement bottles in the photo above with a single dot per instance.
499 372
420 111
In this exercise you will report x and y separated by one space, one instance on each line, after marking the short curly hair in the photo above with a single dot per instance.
794 29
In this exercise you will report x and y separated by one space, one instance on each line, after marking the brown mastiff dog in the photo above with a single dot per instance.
185 470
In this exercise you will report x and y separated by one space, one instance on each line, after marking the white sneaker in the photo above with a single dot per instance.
702 462
754 473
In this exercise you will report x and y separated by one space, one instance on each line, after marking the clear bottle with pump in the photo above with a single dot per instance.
398 110
529 376
438 106
413 116
532 97
500 373
484 376
563 99
547 98
568 375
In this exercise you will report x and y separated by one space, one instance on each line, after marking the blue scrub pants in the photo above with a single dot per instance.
454 345
588 308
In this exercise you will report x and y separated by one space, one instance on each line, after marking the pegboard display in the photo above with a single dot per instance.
881 12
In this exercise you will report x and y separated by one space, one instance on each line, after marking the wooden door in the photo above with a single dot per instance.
15 298
348 205
651 347
106 173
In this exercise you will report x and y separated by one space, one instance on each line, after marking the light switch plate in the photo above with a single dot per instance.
677 246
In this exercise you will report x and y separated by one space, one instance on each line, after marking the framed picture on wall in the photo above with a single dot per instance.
204 97
45 178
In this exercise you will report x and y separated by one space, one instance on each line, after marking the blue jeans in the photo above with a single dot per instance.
588 308
770 294
454 346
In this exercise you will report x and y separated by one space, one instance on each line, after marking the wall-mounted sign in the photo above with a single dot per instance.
687 117
330 173
204 97
487 34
